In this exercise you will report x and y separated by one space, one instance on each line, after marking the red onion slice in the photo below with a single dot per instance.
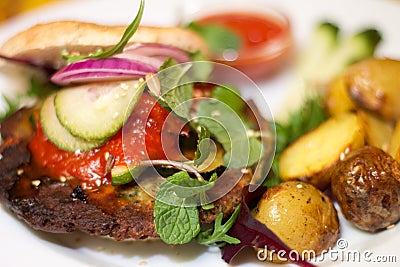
158 50
102 69
153 61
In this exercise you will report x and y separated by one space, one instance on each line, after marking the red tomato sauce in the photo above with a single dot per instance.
142 138
254 31
264 39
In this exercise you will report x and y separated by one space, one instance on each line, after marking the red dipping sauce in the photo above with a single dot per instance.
265 40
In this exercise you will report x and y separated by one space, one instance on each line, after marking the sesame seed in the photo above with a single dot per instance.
347 150
390 227
63 179
98 182
20 171
342 155
124 86
36 182
355 170
106 155
215 113
84 186
299 186
245 171
153 83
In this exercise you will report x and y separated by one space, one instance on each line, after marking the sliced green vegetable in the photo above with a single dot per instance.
57 134
118 48
122 174
350 50
97 111
323 41
328 53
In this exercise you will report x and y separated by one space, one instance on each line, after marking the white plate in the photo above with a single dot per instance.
21 246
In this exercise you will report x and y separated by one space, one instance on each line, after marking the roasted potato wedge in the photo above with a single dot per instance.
309 157
300 215
366 184
337 99
378 132
374 85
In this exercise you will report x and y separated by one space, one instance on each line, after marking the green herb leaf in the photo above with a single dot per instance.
176 216
119 47
203 146
201 71
7 107
227 127
230 96
177 223
9 103
176 92
309 116
219 234
71 58
218 38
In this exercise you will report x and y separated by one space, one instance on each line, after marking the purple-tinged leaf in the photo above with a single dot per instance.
253 233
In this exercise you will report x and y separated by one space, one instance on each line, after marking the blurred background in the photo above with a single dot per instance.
9 8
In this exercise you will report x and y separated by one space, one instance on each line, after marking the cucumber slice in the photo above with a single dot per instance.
121 174
57 134
97 111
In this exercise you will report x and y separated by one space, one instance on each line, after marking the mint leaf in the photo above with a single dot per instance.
119 47
218 38
202 67
230 96
176 216
176 224
219 234
227 127
176 91
203 146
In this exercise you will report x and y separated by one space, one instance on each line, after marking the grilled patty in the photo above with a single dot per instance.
51 205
